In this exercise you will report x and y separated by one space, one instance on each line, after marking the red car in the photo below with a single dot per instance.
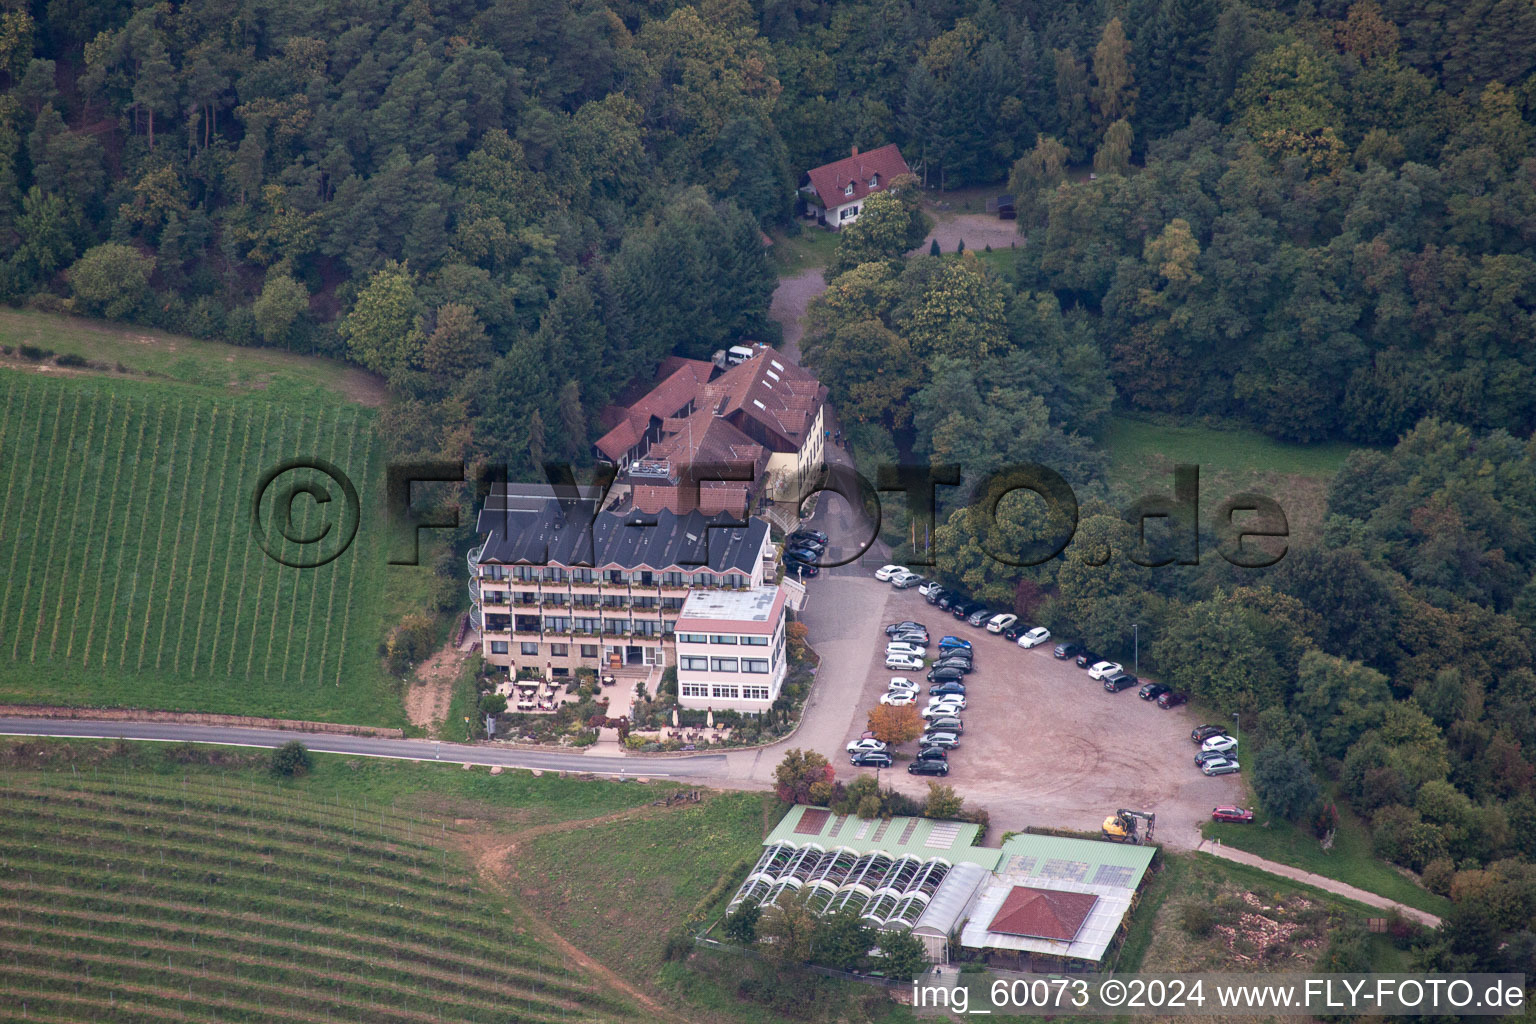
1237 815
1170 699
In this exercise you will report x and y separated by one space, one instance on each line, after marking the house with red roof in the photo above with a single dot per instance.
762 421
833 194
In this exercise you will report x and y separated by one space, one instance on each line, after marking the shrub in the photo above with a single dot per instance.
70 359
1283 781
33 353
111 280
291 759
1197 919
1438 874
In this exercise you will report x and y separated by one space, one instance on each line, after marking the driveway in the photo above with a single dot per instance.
1044 744
790 298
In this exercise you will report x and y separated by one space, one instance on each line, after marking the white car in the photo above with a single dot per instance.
903 683
885 572
902 647
928 586
1035 637
945 710
903 663
957 699
865 746
1220 744
1103 670
1000 622
898 699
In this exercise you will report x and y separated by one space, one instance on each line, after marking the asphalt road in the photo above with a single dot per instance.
703 767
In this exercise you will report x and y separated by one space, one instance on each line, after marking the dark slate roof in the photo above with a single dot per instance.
540 531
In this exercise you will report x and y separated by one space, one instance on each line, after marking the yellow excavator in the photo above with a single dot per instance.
1124 826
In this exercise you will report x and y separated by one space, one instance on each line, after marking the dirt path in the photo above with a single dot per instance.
492 858
431 689
1332 885
790 299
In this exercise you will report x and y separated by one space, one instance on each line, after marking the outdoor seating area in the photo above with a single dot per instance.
697 735
534 696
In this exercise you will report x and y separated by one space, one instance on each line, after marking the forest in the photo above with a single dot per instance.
1315 219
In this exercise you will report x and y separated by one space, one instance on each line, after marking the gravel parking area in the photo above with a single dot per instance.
1044 744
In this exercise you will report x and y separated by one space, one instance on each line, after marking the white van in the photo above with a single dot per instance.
737 354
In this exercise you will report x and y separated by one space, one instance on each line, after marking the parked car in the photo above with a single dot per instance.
953 643
903 626
800 570
1236 815
928 768
949 598
980 616
1152 691
1070 649
815 536
1201 733
911 636
1221 766
901 647
1001 621
809 555
941 711
1120 681
885 572
934 594
1205 756
932 754
1170 699
939 738
946 704
963 665
1221 744
903 663
1035 637
928 587
951 724
964 610
899 698
906 582
865 746
945 689
1015 631
948 674
899 683
871 759
1104 669
1086 658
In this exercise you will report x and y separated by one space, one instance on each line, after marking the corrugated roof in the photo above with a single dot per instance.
953 898
1092 852
951 843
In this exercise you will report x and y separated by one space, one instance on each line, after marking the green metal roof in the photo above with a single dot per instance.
1079 859
923 838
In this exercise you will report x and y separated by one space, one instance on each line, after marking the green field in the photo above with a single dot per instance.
198 893
131 574
1140 446
271 373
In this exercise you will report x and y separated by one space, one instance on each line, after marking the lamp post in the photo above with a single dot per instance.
1136 645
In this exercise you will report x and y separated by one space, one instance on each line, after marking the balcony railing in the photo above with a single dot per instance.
473 558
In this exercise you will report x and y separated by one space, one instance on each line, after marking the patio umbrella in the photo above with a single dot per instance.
709 718
674 718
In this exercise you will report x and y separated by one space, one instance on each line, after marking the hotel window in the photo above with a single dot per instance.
529 647
617 576
524 572
721 638
499 647
755 692
589 650
581 575
693 664
695 690
729 692
668 627
589 624
691 638
560 650
556 623
705 579
735 579
672 579
722 664
646 578
757 665
554 575
755 641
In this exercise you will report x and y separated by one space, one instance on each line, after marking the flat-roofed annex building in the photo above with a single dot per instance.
558 586
730 649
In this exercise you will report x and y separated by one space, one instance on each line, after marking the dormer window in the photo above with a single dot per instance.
848 189
874 181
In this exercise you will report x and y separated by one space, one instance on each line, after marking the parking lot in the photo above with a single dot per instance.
1044 744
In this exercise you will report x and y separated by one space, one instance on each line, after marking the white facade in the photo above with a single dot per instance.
730 649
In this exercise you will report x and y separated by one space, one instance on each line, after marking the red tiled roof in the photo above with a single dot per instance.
771 390
704 438
669 397
830 180
1043 913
